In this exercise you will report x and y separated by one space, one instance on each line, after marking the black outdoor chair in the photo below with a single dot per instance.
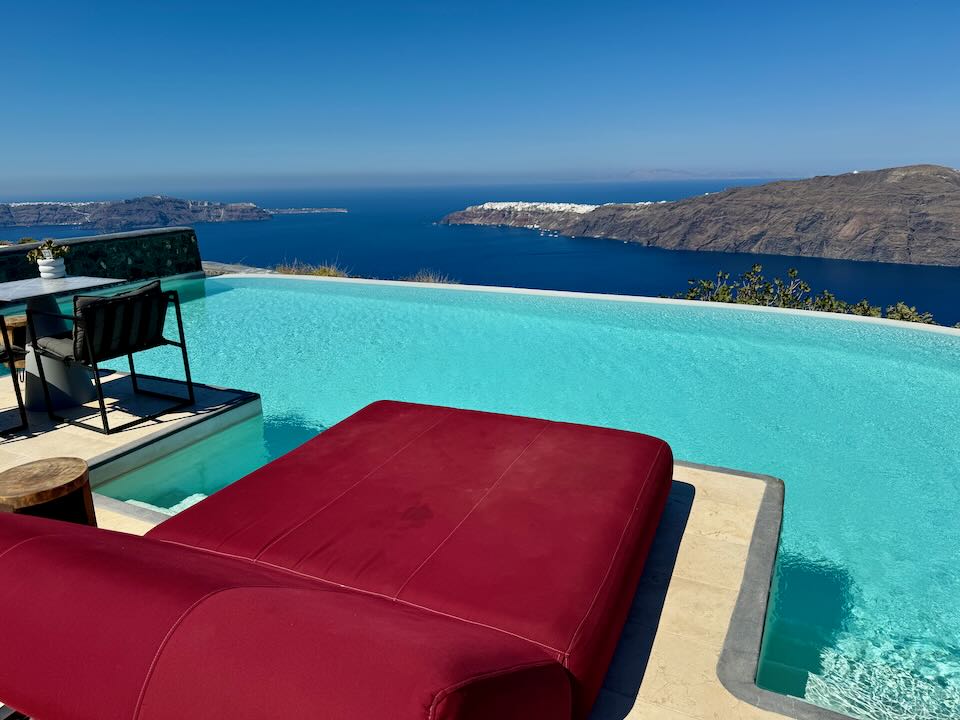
9 357
109 327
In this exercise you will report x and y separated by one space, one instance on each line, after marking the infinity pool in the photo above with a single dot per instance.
861 420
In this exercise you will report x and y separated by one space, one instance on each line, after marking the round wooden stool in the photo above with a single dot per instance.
16 336
55 488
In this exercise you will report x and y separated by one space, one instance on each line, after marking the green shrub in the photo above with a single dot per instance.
752 288
48 250
902 311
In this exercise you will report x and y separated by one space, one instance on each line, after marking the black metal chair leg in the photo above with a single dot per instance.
133 373
20 405
100 398
183 346
186 372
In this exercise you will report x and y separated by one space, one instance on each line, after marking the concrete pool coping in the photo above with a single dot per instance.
711 568
108 456
645 299
740 657
237 406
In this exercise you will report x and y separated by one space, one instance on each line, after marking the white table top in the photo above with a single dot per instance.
18 291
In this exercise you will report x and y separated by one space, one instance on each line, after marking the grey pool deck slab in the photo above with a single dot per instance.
112 455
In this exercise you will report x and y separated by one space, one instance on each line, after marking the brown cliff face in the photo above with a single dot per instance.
144 212
899 215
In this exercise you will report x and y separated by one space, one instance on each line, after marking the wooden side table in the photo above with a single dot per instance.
17 336
55 488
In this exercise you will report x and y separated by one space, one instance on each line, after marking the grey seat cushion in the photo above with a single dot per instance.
59 345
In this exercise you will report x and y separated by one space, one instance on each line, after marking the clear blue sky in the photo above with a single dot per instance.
116 95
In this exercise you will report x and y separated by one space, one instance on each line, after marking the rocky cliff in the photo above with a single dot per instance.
899 215
143 212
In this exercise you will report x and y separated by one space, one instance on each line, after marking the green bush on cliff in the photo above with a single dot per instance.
752 288
902 311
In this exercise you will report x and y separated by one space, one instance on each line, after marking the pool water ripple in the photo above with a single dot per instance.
860 420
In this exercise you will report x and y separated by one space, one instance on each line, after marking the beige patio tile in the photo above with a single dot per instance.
110 520
718 488
666 663
648 711
711 560
10 459
698 611
721 520
62 442
682 676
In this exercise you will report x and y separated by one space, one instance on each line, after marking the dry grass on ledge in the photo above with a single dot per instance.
301 268
296 267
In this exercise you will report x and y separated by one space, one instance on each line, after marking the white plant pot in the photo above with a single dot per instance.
51 268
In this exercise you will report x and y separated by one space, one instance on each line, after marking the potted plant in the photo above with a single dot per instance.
49 258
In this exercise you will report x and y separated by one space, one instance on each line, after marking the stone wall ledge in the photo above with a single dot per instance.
134 255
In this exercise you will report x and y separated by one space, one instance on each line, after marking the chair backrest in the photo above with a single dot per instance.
119 324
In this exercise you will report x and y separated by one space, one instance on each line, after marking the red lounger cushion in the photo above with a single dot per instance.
107 626
536 529
413 562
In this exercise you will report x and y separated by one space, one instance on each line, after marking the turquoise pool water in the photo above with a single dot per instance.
860 420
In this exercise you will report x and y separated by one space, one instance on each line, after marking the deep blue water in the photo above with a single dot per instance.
392 233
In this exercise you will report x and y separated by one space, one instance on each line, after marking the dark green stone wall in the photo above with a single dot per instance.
130 255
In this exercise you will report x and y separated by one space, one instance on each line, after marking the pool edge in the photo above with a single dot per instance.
108 465
740 656
608 297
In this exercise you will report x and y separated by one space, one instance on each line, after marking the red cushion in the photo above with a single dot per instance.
534 528
412 562
112 627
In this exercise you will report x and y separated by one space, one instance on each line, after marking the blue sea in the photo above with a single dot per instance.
391 233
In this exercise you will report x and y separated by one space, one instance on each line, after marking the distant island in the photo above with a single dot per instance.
144 212
899 215
304 211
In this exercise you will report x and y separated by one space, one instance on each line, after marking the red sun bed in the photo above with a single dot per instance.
411 562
